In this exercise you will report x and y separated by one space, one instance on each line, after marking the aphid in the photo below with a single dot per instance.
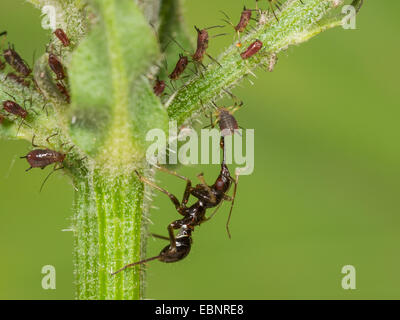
208 197
159 87
60 34
252 49
63 90
179 68
227 123
244 20
41 158
19 79
15 109
16 62
56 66
202 44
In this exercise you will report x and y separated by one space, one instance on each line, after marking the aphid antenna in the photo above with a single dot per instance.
48 176
212 27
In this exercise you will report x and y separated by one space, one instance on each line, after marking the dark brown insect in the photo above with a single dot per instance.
15 109
252 49
19 79
63 90
159 87
60 34
208 197
56 66
179 68
41 158
16 62
202 44
244 20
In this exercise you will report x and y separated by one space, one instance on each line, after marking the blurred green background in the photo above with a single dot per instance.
324 193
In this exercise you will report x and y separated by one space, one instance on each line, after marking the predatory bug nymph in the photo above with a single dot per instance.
61 35
16 62
208 197
252 50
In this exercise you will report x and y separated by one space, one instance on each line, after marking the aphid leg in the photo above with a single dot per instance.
53 135
215 60
174 200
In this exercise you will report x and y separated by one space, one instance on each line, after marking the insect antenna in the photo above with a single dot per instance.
135 263
48 176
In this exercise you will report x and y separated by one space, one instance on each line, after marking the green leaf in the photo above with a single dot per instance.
113 105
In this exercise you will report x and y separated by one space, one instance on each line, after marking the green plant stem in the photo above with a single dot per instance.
107 226
297 23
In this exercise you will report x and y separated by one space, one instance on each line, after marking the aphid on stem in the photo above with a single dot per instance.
18 79
16 62
61 35
227 123
41 158
252 49
64 91
159 87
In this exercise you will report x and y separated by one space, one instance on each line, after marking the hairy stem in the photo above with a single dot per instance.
107 228
297 23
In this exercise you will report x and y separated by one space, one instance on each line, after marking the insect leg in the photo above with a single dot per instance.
155 186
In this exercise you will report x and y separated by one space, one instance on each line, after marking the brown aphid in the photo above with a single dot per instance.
179 68
56 66
227 122
202 44
252 49
15 109
41 158
19 79
244 20
63 90
61 35
159 87
15 61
